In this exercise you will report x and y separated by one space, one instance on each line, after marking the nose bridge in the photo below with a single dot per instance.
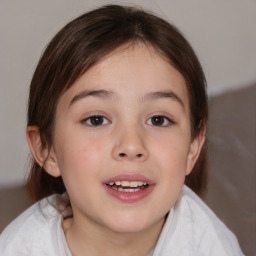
130 143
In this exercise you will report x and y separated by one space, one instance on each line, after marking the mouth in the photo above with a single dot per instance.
128 186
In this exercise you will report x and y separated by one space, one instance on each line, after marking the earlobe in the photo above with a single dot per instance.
194 150
43 155
35 145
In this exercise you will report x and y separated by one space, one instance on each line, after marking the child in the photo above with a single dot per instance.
116 120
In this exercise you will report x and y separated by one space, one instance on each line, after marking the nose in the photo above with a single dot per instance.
130 145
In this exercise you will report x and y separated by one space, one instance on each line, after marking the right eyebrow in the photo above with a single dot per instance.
104 94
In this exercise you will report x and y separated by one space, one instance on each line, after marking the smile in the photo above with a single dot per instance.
128 186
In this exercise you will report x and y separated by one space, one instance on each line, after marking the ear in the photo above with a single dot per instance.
43 155
194 150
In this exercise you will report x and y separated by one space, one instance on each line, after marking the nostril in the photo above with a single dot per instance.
130 156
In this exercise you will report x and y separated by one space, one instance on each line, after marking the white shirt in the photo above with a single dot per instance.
191 229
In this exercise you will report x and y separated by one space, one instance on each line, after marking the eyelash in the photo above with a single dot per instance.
164 121
91 119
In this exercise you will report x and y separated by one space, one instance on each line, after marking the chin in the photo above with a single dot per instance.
132 225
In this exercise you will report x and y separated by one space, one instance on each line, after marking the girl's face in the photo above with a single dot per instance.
122 141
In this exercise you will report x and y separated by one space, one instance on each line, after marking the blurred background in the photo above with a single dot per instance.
223 34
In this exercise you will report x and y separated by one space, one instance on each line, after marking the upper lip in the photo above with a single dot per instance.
129 177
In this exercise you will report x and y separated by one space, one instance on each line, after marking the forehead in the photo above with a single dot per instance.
131 70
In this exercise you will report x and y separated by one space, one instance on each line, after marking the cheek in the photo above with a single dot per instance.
172 156
74 148
79 167
80 158
75 155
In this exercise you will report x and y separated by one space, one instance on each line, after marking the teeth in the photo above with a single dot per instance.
125 183
129 190
131 184
140 183
120 189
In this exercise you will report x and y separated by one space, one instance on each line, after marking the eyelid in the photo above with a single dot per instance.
95 114
169 120
103 117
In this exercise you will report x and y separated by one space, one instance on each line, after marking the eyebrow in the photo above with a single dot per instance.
104 94
163 94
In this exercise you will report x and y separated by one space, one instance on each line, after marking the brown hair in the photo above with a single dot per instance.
84 42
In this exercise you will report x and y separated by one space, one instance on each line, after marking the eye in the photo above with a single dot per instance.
159 121
96 120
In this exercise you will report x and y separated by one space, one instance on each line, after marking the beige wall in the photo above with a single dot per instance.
223 34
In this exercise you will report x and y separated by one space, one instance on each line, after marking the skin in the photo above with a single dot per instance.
128 141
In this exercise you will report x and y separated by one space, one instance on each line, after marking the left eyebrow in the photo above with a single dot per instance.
163 94
104 94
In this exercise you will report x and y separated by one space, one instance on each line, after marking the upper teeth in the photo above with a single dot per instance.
125 183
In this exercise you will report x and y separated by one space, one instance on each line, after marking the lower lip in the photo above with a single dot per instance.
130 197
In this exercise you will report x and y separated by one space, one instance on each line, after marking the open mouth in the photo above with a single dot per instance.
128 186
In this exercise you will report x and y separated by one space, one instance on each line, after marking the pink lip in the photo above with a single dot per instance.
129 177
129 197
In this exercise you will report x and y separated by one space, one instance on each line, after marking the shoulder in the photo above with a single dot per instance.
193 228
212 236
34 228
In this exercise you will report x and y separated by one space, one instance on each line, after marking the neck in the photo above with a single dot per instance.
96 240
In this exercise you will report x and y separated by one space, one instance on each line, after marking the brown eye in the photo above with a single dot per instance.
96 120
159 121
